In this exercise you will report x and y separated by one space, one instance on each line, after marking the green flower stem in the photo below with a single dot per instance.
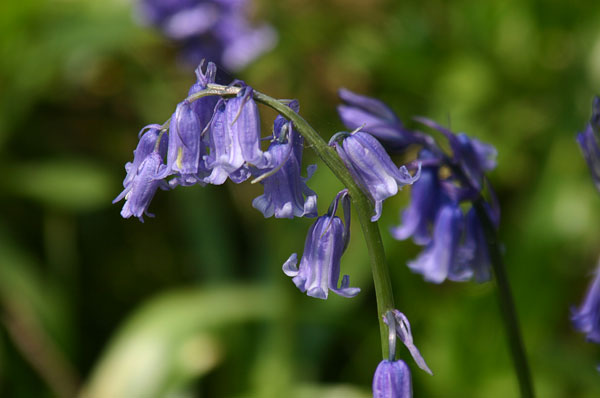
507 305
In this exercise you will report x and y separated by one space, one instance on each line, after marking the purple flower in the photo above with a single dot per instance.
392 380
372 167
425 201
377 118
326 241
185 145
214 29
473 156
235 139
142 187
445 257
586 318
146 145
588 142
286 193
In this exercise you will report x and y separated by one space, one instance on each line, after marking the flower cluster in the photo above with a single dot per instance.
213 29
210 139
455 246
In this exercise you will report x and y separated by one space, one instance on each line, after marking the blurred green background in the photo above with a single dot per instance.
193 303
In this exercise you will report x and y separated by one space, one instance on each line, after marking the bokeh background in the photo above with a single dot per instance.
193 303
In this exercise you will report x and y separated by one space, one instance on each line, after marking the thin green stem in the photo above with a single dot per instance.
507 305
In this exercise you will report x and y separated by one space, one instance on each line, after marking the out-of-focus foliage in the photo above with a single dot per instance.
79 78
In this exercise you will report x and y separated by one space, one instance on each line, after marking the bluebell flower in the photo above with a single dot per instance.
586 318
186 146
146 145
445 256
376 118
426 197
473 156
212 29
142 187
372 167
326 241
588 142
286 194
392 380
235 139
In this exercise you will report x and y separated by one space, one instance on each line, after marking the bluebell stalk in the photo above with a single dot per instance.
326 241
372 167
588 142
586 318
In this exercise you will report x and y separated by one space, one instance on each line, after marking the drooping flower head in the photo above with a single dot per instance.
144 174
212 29
588 142
234 142
372 167
187 145
456 247
286 194
142 187
326 241
586 318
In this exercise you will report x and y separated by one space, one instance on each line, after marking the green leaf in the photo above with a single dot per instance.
172 340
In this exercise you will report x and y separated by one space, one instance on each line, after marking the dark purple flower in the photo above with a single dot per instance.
588 142
372 167
142 187
392 380
445 256
235 139
377 118
426 197
473 156
586 318
326 241
286 193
